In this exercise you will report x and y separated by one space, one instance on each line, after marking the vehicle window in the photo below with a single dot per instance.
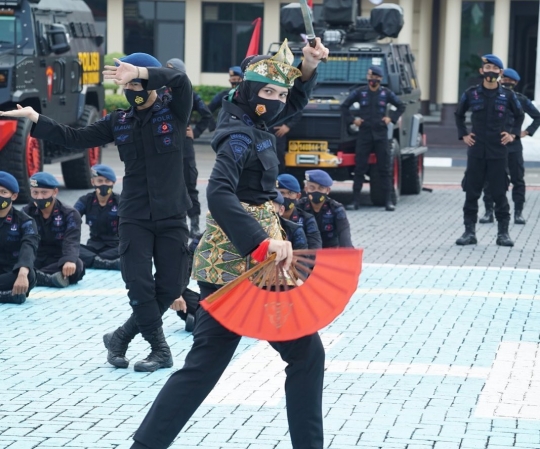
7 30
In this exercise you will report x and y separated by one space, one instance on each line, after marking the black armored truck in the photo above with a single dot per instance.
51 59
323 139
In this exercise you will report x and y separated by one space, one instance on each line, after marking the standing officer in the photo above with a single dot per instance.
101 210
289 187
190 166
516 165
19 241
281 131
59 226
496 122
373 131
330 215
236 76
150 139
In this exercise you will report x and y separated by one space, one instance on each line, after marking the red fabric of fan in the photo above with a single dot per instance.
264 302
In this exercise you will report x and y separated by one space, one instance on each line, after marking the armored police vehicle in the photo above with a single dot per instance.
323 139
50 59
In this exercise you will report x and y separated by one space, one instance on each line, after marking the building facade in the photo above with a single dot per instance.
447 37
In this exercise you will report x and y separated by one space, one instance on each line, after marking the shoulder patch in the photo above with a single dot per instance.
239 144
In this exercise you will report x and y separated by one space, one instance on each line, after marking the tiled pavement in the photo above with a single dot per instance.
438 348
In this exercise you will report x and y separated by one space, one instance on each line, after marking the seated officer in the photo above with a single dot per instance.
295 232
59 226
19 241
330 215
289 187
101 210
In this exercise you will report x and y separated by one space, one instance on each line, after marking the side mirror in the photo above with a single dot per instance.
99 40
58 38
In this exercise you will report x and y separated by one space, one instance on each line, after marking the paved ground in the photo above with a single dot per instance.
438 348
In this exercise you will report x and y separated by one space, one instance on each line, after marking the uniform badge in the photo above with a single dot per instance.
14 227
164 128
139 100
260 109
167 141
33 183
4 205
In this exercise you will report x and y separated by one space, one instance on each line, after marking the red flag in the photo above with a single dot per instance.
254 46
310 4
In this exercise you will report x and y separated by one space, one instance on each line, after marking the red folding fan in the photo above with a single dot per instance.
272 304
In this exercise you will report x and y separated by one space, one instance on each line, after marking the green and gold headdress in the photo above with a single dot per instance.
276 70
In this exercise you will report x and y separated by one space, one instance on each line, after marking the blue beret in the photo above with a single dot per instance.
319 177
511 73
44 180
288 182
376 70
9 182
141 60
492 59
105 171
279 198
236 71
177 64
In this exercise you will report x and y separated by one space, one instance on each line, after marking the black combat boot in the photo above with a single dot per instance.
51 280
117 343
355 205
105 264
194 226
6 297
469 236
518 217
488 217
389 206
160 357
503 238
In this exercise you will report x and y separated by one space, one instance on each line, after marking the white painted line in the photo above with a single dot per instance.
512 389
451 267
438 162
443 292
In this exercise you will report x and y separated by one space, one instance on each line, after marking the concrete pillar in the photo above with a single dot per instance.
449 73
270 24
115 27
537 77
406 33
424 51
501 30
193 41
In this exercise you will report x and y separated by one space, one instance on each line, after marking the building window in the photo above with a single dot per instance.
227 30
99 11
155 27
476 40
317 14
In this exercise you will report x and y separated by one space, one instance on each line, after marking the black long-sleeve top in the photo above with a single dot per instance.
102 220
246 169
19 241
150 143
528 108
60 233
373 107
493 112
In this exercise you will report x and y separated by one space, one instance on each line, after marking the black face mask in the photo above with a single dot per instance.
234 84
374 83
317 197
4 202
266 109
136 97
508 85
104 190
44 203
491 77
289 203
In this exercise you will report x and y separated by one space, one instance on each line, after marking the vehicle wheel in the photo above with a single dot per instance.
77 173
413 175
376 191
22 157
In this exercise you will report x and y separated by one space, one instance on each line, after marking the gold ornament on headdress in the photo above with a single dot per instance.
276 70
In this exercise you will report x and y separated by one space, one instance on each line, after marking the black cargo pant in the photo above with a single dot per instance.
365 145
49 265
212 350
190 177
164 241
516 167
8 279
89 252
478 172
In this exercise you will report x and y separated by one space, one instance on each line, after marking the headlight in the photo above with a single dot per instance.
3 78
333 36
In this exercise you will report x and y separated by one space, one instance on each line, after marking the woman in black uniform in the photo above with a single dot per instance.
242 221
